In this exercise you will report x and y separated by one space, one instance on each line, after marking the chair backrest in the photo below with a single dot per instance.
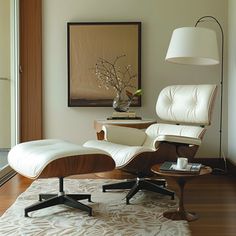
188 104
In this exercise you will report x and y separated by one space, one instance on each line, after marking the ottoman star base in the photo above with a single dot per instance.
56 158
71 200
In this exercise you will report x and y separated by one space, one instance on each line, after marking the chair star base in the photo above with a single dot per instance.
71 200
135 185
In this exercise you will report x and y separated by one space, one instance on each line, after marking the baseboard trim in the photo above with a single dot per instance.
212 162
231 168
228 167
6 177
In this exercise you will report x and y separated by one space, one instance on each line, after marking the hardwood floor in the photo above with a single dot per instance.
212 197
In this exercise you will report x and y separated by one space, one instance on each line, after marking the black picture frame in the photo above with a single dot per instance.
88 41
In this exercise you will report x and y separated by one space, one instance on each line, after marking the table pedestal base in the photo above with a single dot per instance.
181 179
180 215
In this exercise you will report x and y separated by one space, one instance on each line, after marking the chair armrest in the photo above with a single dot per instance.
178 139
124 135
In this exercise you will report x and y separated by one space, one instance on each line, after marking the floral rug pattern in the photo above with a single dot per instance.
111 215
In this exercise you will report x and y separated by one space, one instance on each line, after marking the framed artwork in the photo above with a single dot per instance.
90 44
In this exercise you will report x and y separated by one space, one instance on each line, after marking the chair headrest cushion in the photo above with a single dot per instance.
187 103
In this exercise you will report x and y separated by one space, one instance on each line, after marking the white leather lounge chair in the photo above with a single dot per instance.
185 110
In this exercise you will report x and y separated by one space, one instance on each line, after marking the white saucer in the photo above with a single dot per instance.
176 168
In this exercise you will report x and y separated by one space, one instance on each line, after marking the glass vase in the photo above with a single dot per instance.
121 102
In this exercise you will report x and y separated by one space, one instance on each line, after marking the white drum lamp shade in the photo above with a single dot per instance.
193 46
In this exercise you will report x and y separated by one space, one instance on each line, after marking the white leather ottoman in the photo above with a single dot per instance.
57 158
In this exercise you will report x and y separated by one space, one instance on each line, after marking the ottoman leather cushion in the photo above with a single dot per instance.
31 158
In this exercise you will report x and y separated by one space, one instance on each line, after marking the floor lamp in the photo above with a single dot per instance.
198 46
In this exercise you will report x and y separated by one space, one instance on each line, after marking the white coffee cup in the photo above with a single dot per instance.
182 163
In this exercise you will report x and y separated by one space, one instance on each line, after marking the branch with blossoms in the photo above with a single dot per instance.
111 75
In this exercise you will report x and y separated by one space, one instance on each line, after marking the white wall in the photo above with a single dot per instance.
159 18
232 80
5 118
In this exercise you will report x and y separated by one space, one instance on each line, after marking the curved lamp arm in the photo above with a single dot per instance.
209 18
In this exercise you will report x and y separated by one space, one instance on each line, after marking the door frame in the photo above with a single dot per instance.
7 172
26 68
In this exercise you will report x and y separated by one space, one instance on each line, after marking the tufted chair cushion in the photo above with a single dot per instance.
121 154
173 133
124 144
186 104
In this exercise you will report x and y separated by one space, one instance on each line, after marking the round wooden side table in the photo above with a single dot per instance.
181 178
138 124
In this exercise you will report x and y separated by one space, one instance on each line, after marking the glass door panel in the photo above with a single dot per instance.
5 91
8 80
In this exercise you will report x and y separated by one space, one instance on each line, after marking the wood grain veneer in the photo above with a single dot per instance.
30 70
81 164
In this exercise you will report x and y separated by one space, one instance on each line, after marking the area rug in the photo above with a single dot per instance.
111 216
